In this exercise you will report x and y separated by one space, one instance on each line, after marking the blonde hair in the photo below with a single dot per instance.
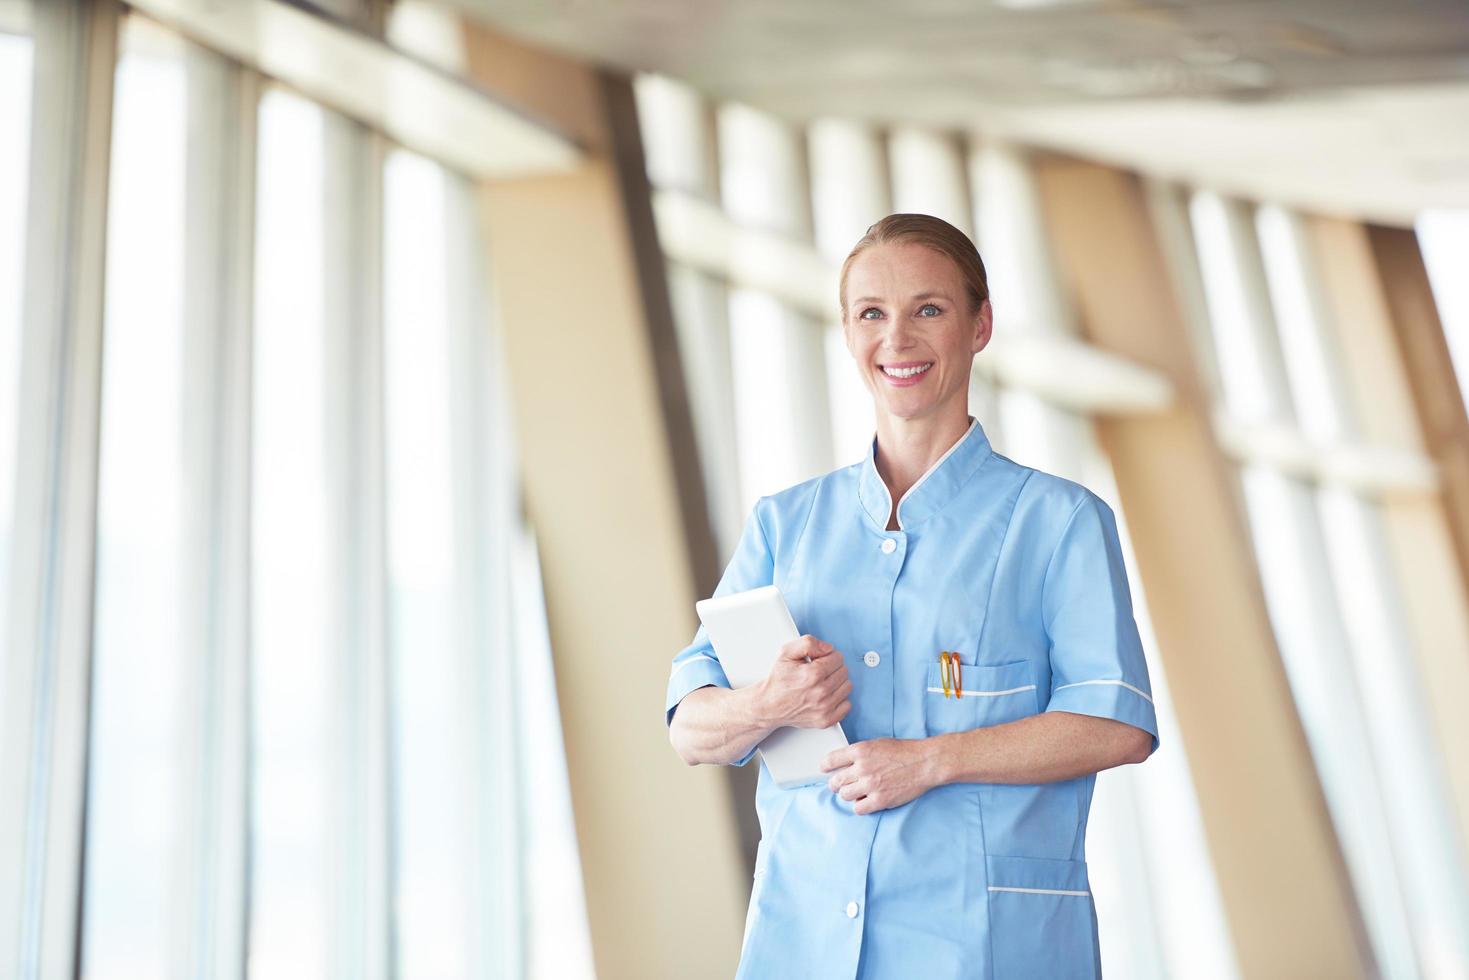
935 233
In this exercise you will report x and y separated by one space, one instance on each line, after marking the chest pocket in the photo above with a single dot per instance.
989 694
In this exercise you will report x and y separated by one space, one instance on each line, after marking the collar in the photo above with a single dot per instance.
934 488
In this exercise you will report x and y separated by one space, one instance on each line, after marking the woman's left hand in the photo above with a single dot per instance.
880 773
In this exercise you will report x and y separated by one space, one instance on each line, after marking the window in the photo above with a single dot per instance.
292 700
15 132
136 794
1332 594
1444 238
277 508
432 702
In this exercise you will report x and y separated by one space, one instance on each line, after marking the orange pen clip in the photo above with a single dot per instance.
958 676
944 672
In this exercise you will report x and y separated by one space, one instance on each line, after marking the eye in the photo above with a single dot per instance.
871 309
929 306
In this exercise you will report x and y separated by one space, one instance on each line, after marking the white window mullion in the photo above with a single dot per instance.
361 942
482 497
218 314
48 642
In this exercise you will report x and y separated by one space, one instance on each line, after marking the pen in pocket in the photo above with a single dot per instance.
950 674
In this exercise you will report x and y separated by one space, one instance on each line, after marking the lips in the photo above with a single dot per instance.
906 373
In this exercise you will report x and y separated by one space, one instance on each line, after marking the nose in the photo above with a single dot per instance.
899 334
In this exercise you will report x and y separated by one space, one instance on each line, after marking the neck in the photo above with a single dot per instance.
907 448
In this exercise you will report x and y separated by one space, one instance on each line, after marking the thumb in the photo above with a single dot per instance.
806 646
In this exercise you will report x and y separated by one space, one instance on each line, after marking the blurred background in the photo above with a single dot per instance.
382 382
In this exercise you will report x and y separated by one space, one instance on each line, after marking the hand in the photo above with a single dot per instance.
805 695
880 773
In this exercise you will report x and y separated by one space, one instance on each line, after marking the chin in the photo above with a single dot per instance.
908 410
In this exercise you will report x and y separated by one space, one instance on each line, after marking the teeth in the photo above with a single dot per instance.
907 372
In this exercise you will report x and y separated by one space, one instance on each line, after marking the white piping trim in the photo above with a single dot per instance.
1134 690
697 656
1040 891
987 694
973 424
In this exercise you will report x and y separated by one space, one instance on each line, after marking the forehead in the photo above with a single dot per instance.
901 269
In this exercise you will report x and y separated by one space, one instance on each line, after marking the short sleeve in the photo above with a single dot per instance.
697 665
1097 664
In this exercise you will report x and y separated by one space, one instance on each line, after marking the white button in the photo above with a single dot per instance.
889 546
871 659
851 910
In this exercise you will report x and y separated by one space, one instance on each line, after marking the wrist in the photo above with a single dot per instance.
936 760
758 711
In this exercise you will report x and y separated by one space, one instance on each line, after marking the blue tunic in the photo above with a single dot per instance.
1021 573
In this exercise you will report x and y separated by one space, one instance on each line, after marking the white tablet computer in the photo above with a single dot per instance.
747 630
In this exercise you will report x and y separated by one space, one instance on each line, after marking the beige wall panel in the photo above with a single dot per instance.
1405 393
1424 353
665 882
1284 886
540 84
1363 330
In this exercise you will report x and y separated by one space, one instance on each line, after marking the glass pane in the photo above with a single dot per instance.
135 788
15 142
701 317
782 429
557 933
292 702
431 726
1444 238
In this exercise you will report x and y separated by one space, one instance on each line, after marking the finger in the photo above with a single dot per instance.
795 650
823 686
853 790
836 690
816 648
828 665
835 759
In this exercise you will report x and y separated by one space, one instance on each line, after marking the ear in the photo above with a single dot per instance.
983 325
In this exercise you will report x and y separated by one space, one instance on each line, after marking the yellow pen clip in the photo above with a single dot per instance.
944 672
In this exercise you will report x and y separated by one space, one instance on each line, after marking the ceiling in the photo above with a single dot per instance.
1344 106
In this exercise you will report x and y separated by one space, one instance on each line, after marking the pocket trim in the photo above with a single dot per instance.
1039 891
986 694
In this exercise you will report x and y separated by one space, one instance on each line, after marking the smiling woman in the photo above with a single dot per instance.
967 805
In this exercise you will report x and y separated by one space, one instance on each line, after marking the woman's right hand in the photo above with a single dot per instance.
806 695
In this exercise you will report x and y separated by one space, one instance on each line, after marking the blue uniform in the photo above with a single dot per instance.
1021 573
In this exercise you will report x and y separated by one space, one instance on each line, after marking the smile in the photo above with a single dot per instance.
906 372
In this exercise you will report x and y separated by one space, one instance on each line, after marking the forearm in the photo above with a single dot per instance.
1044 748
717 726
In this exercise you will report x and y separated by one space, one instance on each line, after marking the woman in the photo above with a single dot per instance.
949 840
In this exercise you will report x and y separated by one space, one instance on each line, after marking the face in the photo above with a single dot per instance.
909 328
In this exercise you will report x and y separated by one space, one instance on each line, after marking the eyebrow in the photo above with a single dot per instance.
916 296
